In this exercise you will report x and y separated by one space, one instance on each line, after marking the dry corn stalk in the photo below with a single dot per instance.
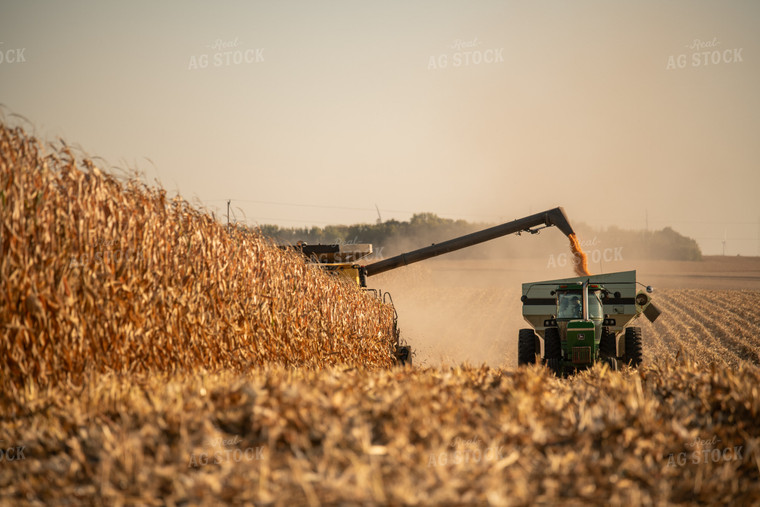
103 274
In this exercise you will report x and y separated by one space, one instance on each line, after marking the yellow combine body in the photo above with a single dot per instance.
344 270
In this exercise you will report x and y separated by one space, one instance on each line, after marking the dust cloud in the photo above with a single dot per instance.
461 311
453 310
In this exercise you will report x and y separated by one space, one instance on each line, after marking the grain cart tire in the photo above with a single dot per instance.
553 350
607 346
526 347
633 354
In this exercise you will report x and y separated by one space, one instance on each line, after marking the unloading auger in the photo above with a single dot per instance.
341 260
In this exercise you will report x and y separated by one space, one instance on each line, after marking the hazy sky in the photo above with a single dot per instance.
308 113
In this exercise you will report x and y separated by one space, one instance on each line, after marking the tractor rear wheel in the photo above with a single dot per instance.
553 350
526 347
633 353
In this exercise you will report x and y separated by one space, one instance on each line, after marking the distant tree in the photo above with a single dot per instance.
393 237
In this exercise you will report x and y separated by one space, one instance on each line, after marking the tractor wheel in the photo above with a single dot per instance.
554 366
526 347
553 350
404 355
633 354
607 345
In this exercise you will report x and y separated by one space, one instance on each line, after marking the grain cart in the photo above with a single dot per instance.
582 320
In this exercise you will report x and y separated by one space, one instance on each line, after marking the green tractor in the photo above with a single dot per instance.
582 320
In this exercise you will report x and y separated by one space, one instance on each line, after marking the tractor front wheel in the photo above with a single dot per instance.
607 345
526 347
553 350
633 353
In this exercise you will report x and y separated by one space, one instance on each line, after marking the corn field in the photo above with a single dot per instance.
151 356
109 275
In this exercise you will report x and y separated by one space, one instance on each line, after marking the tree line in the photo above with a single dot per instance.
393 237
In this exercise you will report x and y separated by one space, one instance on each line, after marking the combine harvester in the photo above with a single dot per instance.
540 310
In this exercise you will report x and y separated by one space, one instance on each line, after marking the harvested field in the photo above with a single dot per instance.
710 326
236 374
678 431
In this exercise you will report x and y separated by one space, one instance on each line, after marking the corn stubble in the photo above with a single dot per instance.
462 435
206 366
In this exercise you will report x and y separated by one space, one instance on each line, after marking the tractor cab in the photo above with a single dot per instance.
570 302
579 317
